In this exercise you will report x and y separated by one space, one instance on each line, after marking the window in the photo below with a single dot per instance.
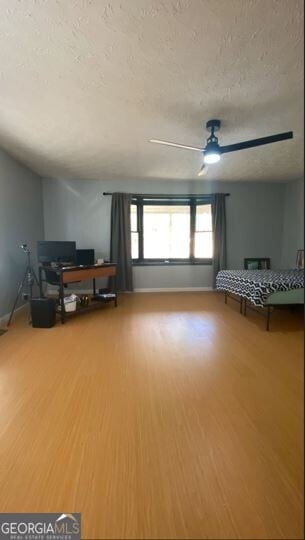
203 232
169 230
166 232
134 232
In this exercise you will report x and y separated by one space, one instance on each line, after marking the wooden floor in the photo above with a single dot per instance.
171 416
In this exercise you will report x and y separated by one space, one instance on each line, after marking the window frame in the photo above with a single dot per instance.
192 203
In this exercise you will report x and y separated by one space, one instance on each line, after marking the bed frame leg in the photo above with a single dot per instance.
268 318
226 297
245 307
241 305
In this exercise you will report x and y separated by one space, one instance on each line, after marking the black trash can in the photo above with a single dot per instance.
43 312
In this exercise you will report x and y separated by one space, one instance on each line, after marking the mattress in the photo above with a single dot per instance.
293 296
256 285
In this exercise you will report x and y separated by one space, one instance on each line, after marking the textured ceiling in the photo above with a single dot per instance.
84 84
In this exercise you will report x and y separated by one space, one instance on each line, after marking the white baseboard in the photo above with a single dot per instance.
174 289
54 292
4 318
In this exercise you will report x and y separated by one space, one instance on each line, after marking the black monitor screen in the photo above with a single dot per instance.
59 252
85 257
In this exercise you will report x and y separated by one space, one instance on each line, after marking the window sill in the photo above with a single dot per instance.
201 262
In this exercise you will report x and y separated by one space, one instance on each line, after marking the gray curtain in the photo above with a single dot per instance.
120 243
219 234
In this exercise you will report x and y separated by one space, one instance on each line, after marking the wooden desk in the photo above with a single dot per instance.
73 274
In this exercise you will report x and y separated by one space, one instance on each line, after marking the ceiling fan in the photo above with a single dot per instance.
212 151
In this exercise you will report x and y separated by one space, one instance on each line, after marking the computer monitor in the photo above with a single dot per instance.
58 252
85 257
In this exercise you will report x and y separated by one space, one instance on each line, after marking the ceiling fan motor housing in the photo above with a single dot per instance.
213 125
212 147
212 141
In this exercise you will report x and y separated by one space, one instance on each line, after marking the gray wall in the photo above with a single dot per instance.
21 221
77 210
293 226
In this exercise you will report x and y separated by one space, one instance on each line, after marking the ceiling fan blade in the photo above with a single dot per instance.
168 143
256 142
203 170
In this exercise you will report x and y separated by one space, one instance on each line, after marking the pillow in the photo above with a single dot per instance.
252 265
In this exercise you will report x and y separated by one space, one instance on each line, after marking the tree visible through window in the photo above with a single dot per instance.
171 230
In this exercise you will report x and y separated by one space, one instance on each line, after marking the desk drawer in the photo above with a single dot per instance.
88 273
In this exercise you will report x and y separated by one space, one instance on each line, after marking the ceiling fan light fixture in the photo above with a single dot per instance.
212 152
211 157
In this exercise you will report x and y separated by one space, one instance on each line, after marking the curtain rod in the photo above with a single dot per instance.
151 195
